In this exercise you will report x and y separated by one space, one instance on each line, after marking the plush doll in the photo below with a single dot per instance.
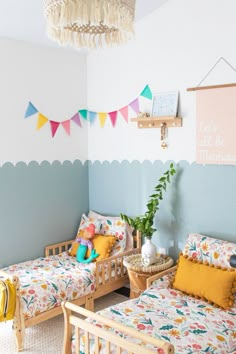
85 243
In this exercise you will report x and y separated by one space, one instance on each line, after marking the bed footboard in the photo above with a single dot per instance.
111 273
104 338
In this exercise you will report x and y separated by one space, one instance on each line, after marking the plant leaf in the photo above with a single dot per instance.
144 223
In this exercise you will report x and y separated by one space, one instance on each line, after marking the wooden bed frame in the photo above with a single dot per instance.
72 319
103 286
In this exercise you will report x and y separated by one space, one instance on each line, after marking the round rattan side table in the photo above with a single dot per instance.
138 273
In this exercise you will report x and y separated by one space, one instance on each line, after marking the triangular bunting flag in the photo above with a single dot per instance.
30 110
92 117
54 127
102 118
113 116
66 126
146 92
41 121
76 119
83 113
135 105
124 112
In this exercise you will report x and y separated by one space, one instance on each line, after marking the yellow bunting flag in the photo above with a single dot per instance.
41 121
102 118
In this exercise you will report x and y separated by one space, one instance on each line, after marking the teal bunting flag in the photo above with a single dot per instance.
84 113
147 92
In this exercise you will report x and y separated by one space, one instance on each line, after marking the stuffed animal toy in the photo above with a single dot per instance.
85 243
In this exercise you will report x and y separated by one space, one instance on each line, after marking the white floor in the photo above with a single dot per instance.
47 337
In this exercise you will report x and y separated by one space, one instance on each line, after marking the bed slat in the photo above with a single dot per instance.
122 269
108 347
103 275
109 271
116 269
77 339
97 349
86 336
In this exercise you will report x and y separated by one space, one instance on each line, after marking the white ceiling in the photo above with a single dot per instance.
24 20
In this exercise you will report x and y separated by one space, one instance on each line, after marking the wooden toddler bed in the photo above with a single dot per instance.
167 320
42 284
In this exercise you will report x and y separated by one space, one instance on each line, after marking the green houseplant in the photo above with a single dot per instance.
144 223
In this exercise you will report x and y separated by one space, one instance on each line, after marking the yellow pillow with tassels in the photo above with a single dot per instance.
205 281
102 244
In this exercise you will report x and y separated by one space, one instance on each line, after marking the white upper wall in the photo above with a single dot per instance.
174 48
54 80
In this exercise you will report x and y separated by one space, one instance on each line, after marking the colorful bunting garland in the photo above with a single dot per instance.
87 115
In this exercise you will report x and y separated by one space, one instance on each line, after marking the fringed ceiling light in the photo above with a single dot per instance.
90 23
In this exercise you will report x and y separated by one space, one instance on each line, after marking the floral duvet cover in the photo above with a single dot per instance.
191 325
47 281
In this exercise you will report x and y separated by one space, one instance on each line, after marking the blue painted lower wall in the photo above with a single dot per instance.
202 199
40 204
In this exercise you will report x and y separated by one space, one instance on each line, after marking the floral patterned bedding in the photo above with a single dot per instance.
191 325
46 282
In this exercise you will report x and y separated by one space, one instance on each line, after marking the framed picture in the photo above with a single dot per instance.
165 104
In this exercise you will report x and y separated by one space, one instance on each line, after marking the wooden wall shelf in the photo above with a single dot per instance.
157 122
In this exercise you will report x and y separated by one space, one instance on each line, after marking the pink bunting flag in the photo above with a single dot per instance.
135 105
54 127
66 126
113 116
76 119
124 112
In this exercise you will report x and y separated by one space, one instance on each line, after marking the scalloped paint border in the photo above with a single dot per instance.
105 162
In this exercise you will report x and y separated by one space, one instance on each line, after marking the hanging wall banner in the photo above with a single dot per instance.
89 116
216 120
216 125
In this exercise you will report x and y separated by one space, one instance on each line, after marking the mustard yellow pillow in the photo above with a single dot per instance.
102 244
204 281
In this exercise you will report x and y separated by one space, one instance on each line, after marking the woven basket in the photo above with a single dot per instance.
134 262
138 273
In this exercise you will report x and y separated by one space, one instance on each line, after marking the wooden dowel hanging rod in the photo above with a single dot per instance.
210 87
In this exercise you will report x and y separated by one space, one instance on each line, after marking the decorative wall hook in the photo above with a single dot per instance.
163 122
163 135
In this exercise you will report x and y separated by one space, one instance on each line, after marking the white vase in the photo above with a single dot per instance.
148 252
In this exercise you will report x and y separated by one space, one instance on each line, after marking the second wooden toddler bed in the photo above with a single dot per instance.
42 284
163 319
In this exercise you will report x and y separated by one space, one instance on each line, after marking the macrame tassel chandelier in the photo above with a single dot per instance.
90 23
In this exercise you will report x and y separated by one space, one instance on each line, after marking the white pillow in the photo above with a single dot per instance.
129 230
